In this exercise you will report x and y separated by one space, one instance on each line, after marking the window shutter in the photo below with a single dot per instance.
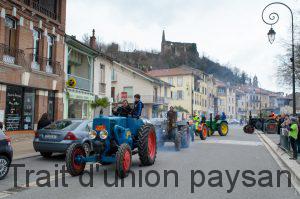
7 35
13 38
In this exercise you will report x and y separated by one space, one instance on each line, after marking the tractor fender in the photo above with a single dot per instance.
87 140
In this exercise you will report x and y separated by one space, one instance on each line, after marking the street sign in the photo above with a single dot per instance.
124 95
71 83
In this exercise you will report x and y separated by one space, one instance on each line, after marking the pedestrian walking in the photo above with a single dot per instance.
44 121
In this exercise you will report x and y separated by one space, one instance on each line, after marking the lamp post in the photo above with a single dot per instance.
272 19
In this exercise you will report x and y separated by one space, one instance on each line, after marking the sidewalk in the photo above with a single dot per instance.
22 145
282 157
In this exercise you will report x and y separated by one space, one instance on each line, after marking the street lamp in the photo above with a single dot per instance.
271 35
273 19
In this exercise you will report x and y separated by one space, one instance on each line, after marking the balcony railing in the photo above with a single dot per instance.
11 55
40 8
45 65
81 83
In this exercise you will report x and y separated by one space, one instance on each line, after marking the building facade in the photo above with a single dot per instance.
31 61
79 65
128 81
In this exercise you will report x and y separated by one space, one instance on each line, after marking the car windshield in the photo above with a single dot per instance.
65 125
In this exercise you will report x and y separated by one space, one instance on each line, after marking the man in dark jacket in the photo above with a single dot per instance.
172 118
123 110
137 107
44 121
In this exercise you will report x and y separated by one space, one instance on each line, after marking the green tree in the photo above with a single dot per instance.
102 103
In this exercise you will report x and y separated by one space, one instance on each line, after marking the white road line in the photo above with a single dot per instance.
233 142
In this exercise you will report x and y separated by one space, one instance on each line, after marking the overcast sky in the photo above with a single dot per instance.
228 31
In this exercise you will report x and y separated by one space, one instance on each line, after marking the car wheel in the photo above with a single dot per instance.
4 166
46 154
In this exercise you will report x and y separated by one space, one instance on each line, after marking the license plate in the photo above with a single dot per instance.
50 136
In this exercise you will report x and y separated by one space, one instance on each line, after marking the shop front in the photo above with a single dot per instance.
21 107
78 104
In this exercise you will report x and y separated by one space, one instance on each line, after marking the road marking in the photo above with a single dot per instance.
233 142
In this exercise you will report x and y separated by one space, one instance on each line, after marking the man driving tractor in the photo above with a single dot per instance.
172 118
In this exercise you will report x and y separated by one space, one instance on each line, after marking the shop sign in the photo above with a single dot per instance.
81 96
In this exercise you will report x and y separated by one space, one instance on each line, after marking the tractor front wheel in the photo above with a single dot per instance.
123 160
204 132
147 145
73 166
223 129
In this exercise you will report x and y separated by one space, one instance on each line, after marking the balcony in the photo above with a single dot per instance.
36 5
45 65
81 83
9 55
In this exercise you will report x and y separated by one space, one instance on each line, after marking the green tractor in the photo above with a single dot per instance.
217 125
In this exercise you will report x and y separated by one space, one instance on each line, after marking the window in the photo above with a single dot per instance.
10 32
49 67
170 80
113 75
102 73
165 92
221 90
129 91
36 49
180 95
10 40
179 81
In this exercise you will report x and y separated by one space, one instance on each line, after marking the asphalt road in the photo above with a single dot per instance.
226 157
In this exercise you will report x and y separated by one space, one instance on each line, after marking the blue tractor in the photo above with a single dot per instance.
179 134
115 140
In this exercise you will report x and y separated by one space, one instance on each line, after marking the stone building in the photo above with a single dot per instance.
178 49
31 61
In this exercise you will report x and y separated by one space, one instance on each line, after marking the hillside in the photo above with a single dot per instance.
147 61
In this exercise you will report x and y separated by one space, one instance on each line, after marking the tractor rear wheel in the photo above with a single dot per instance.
223 129
204 132
186 138
147 146
177 141
123 160
249 129
74 168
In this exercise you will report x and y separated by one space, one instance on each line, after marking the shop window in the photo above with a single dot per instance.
13 112
51 104
28 109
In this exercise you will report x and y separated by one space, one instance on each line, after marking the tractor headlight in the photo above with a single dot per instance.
92 134
103 134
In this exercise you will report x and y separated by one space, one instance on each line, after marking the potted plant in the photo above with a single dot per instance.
100 102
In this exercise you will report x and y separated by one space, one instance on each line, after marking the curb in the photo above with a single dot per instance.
282 158
26 156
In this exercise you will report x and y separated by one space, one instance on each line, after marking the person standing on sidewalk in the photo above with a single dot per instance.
293 135
44 121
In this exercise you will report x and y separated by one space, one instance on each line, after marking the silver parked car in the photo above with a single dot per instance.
58 136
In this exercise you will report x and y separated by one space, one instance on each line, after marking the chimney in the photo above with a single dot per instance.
93 43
